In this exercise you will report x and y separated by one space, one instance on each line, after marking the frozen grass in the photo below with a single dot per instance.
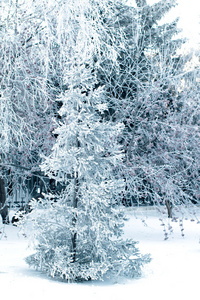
173 272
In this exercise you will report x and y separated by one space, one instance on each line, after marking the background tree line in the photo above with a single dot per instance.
148 92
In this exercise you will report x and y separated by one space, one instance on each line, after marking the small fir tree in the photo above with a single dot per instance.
79 236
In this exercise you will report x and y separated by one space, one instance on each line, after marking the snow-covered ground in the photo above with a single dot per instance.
172 274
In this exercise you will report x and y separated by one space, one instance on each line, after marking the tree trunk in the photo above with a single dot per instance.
74 220
3 206
75 205
169 208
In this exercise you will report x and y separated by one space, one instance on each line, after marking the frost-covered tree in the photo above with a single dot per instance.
78 235
154 105
27 87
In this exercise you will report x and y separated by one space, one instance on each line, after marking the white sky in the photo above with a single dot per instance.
189 13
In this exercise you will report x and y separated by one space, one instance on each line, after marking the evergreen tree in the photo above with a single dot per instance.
151 105
79 235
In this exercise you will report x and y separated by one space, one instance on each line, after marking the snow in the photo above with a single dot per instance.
172 273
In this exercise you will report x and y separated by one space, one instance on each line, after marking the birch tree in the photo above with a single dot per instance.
28 90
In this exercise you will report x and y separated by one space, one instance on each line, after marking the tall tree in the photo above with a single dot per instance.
150 103
29 82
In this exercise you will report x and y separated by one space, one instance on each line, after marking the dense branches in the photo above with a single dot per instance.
79 235
161 152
